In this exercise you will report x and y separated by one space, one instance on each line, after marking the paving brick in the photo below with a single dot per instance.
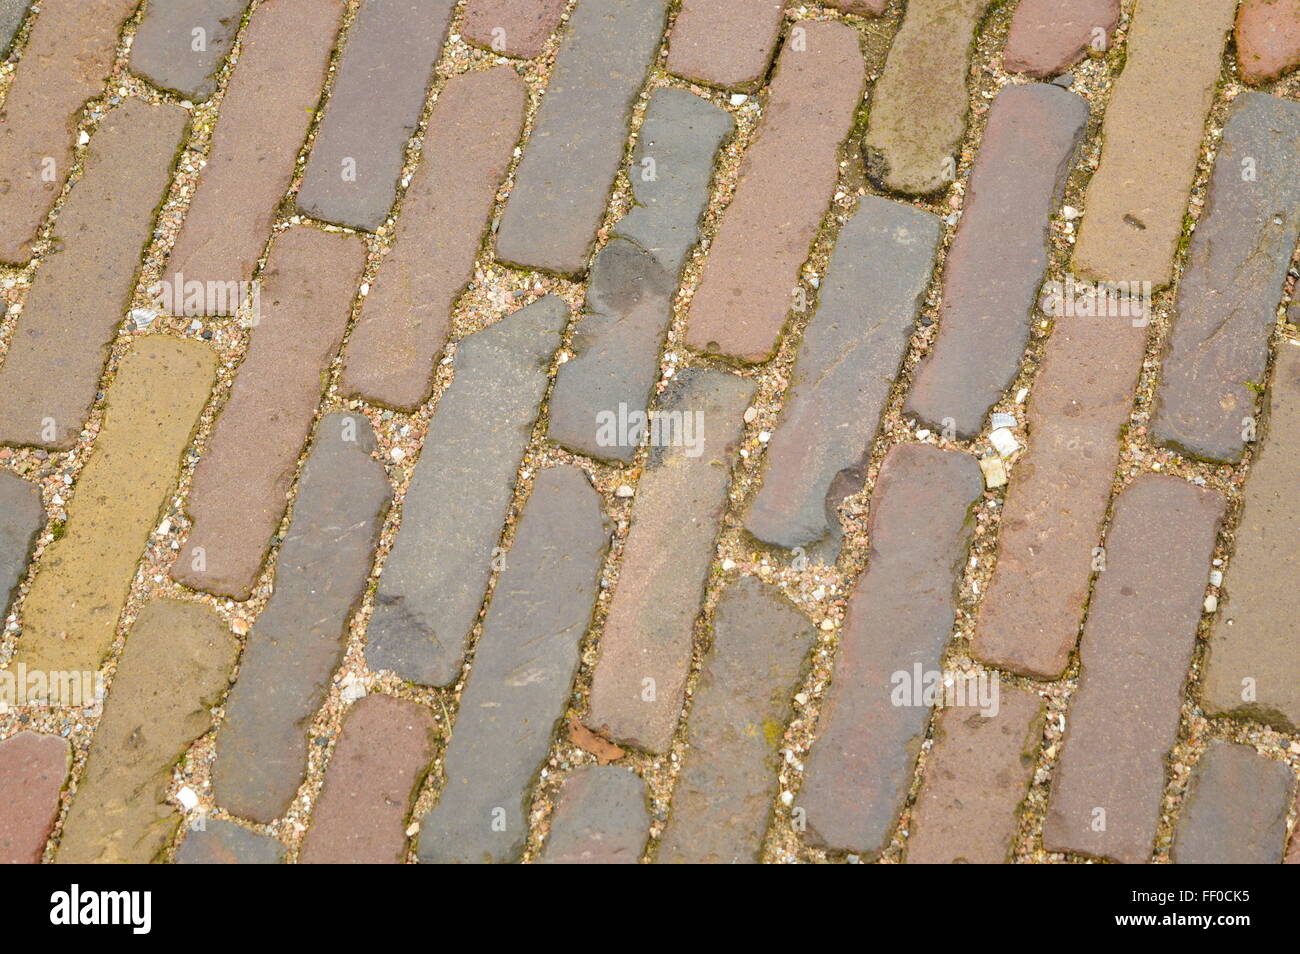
438 569
726 43
238 495
1136 648
1268 39
1293 850
1254 668
263 120
850 355
900 616
514 27
360 817
576 145
176 666
12 13
32 770
976 777
1056 502
1235 810
645 653
1227 298
225 843
379 92
724 796
783 188
634 277
71 611
999 255
601 818
297 641
1136 200
80 291
21 519
866 8
68 56
522 674
392 351
1047 37
181 44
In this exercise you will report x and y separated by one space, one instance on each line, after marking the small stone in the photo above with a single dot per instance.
995 472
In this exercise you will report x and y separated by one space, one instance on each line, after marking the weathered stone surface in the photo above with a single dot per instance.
1136 648
374 108
82 288
32 770
437 572
975 779
360 817
1254 663
900 616
237 498
261 125
634 278
1136 200
70 614
67 57
726 43
866 8
1227 298
999 255
21 519
11 17
175 668
299 638
601 818
850 355
1049 36
783 189
1268 39
650 627
1235 809
391 355
728 782
576 144
1293 850
164 53
225 843
514 27
522 673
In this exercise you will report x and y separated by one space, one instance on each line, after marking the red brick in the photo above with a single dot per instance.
32 770
1049 36
524 25
1268 38
726 43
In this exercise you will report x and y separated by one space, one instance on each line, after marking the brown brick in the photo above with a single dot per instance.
32 770
782 192
1049 36
238 495
1235 810
164 52
1268 39
514 27
726 43
601 818
1136 648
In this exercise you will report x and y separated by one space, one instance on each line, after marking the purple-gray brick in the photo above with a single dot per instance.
601 818
180 44
1235 810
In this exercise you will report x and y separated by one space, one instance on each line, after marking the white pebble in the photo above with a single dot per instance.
189 801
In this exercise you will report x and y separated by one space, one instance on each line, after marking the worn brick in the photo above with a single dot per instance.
263 120
866 8
783 188
724 796
1227 298
225 843
21 519
680 498
514 27
378 94
297 641
1268 39
1136 200
437 571
68 56
1136 648
523 669
177 664
360 817
1254 662
1047 37
164 53
1293 850
601 818
850 355
976 776
391 353
78 294
999 255
726 43
70 614
576 144
238 495
900 616
634 277
32 770
12 13
1235 809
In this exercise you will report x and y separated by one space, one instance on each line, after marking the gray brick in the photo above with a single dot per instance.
225 843
164 53
21 519
11 17
1235 809
601 818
